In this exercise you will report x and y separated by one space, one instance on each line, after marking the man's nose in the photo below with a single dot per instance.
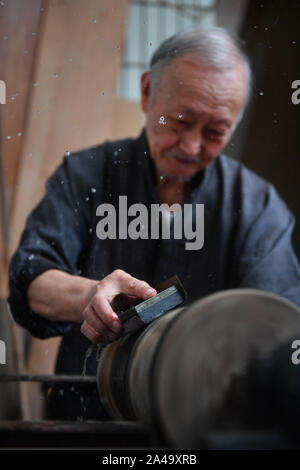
191 142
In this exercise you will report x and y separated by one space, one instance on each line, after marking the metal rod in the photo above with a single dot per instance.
43 378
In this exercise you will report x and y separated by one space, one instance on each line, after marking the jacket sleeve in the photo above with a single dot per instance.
267 260
54 236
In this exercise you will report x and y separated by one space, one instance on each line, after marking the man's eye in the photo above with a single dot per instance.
216 132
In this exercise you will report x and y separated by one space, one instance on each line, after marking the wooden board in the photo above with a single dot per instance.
19 26
70 105
72 95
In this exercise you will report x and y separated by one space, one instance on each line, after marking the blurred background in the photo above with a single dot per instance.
71 69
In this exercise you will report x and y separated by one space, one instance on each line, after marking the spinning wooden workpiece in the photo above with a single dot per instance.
222 364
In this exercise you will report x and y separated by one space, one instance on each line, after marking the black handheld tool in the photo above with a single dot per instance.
170 294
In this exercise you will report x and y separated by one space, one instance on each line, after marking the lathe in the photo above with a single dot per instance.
217 373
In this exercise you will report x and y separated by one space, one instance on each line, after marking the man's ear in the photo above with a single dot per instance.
145 90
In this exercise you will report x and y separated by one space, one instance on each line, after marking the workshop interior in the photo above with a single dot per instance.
70 72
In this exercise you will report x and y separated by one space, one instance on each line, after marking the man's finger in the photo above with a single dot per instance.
91 317
95 337
105 313
130 285
90 333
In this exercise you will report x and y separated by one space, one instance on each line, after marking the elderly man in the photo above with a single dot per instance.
65 280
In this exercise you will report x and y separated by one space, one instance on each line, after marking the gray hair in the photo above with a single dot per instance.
211 46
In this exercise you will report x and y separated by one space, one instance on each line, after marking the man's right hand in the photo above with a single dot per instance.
101 323
60 296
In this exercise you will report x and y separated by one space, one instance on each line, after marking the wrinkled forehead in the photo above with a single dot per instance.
185 75
184 79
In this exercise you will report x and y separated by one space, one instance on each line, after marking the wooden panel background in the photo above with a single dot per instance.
60 60
73 91
19 24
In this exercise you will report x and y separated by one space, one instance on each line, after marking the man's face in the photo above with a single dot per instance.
193 115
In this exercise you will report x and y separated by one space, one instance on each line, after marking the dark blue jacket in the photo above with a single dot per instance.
247 235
